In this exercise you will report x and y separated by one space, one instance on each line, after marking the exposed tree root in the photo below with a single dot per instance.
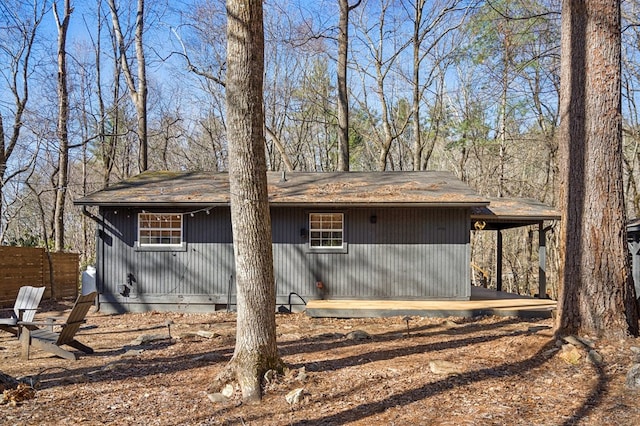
247 372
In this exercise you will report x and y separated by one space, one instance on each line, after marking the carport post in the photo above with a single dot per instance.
542 260
499 261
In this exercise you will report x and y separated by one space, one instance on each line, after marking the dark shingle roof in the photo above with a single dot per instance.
432 188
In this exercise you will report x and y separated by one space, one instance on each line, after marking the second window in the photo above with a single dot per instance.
326 230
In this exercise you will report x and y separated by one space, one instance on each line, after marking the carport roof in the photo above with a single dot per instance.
504 213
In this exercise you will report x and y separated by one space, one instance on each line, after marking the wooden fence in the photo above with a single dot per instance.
30 266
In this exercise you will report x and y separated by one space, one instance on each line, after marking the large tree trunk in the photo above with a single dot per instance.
256 350
597 296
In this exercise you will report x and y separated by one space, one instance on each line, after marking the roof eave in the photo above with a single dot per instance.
458 204
146 204
504 218
283 204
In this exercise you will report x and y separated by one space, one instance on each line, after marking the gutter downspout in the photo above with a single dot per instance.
90 215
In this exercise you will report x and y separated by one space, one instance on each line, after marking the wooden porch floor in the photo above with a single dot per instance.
483 302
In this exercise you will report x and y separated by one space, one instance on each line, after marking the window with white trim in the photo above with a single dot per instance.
159 229
326 230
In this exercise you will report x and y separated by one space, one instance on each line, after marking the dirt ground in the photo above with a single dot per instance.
454 371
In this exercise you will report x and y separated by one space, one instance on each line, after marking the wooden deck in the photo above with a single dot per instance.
483 302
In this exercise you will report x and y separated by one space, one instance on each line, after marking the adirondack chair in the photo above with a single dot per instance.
50 341
24 309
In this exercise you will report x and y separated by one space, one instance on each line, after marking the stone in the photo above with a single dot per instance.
451 324
216 397
302 375
358 335
228 390
148 338
594 357
632 380
132 353
580 342
573 340
442 367
207 334
294 396
570 354
587 342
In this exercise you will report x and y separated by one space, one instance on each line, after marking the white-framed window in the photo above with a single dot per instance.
326 230
159 229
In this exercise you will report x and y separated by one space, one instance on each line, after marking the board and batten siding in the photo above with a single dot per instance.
405 253
408 253
195 278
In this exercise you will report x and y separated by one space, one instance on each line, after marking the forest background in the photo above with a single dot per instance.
466 86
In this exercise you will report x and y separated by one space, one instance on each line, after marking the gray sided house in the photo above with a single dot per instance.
633 241
164 239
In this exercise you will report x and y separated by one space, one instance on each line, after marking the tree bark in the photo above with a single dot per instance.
255 350
597 295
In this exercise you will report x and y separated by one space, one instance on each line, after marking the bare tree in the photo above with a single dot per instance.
62 126
430 27
343 98
107 143
597 295
386 125
20 31
138 94
255 350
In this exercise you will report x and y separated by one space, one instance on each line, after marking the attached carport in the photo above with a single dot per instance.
508 213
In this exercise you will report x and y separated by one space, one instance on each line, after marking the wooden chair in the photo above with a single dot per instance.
24 308
50 341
